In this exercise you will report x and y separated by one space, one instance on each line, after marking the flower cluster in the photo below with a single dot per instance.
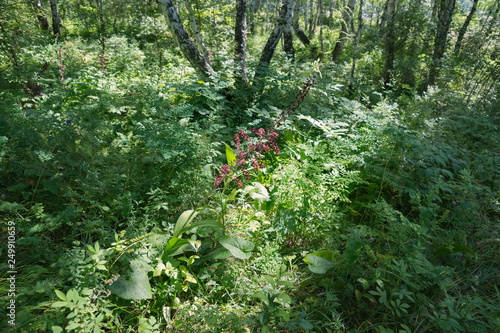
296 102
250 152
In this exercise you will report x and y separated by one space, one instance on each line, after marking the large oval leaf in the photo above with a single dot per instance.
136 285
239 247
320 262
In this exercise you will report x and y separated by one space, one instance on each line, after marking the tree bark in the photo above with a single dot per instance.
187 46
445 15
463 29
40 15
240 38
272 42
390 42
196 32
344 33
288 35
296 26
56 21
356 42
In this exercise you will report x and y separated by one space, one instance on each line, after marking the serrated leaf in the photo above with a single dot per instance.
239 247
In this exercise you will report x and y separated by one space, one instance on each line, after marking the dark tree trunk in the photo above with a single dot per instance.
390 42
187 46
288 36
240 38
344 33
272 42
56 21
196 32
445 14
296 27
463 29
40 16
356 41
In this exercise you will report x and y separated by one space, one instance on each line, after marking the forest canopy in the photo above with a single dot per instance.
249 166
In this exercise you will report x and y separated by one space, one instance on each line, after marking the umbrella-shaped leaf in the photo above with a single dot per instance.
136 286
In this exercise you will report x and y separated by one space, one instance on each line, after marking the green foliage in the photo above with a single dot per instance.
380 214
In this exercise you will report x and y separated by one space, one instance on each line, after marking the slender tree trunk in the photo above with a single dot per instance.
296 27
344 33
102 18
187 46
272 42
196 32
40 15
356 42
464 27
240 38
331 9
288 34
445 15
390 42
56 21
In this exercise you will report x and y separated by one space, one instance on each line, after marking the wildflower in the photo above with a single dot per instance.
68 121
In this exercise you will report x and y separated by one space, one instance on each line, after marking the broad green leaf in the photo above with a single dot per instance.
444 251
284 297
262 296
239 247
270 280
60 294
173 247
258 192
231 158
352 248
320 262
59 304
57 329
137 285
205 223
183 221
220 253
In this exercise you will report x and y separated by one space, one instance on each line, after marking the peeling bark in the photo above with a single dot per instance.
296 27
272 42
240 38
187 46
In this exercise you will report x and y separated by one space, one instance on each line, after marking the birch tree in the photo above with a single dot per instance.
240 38
186 44
345 29
272 42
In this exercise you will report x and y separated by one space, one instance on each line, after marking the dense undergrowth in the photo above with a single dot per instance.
377 215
